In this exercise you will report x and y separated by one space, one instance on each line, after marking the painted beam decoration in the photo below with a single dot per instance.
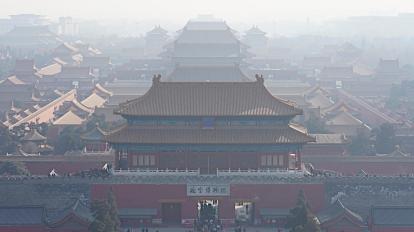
208 190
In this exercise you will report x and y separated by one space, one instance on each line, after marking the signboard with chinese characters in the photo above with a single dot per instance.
208 190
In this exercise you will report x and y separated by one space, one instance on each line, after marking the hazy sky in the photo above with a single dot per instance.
181 10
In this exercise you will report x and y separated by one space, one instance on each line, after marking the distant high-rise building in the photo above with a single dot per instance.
68 27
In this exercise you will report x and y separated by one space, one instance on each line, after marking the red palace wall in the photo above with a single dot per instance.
323 150
263 195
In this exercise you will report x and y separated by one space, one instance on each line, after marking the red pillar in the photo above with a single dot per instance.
226 209
189 208
157 160
117 157
129 159
299 160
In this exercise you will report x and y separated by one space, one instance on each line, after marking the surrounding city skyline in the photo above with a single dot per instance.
232 10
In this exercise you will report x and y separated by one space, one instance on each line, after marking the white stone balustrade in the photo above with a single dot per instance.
155 172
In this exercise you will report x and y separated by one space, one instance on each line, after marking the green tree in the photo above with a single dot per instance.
96 120
68 140
101 217
7 141
301 219
360 144
113 211
13 168
385 139
315 125
394 99
105 214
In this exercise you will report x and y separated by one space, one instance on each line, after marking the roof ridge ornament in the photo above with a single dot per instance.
156 78
259 79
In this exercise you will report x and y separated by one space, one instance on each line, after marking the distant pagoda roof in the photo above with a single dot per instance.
254 30
206 24
207 99
157 30
203 73
34 136
206 32
207 37
285 134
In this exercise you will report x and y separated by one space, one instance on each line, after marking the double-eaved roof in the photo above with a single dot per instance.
207 99
285 134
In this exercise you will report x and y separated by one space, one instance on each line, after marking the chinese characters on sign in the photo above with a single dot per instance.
208 190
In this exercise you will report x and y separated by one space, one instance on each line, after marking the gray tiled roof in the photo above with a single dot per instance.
96 134
207 99
33 135
273 135
78 208
137 212
393 215
337 210
21 215
219 73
